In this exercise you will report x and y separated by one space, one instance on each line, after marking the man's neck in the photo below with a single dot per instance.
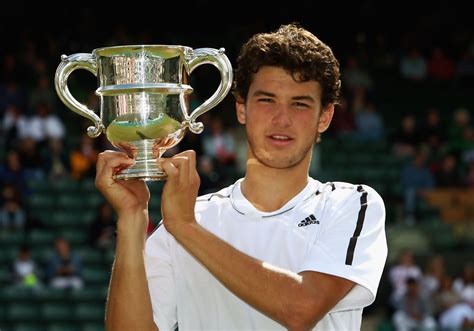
269 189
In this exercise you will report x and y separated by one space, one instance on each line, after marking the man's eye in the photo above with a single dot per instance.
264 100
300 105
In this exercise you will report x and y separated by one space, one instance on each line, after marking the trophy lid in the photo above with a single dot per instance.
164 51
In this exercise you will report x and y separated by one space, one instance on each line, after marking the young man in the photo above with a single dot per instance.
275 250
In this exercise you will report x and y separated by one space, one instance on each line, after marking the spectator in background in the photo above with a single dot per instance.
444 297
448 174
10 67
415 311
464 284
343 121
83 158
33 58
12 172
383 59
405 140
102 229
433 275
241 148
44 125
413 66
356 77
432 126
432 133
457 317
11 93
369 124
210 178
64 267
43 93
457 129
31 159
415 178
12 214
56 161
219 144
440 66
399 274
469 178
457 311
467 149
14 126
25 272
465 68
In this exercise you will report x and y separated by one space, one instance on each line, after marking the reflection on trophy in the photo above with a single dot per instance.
143 88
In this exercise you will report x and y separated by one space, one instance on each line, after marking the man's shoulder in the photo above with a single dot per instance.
211 204
339 190
213 196
217 196
339 195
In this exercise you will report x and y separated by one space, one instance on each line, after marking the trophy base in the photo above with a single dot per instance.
146 170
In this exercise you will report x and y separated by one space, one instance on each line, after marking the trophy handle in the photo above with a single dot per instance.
65 68
218 59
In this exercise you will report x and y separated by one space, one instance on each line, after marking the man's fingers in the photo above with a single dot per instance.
105 156
107 164
170 169
178 169
191 155
184 163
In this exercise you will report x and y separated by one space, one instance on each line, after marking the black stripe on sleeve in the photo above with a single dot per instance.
358 229
213 195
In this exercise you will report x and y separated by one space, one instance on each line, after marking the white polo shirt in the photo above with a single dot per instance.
335 228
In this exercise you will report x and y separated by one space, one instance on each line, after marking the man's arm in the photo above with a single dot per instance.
297 301
128 303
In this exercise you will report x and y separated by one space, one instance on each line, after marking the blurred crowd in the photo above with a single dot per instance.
37 143
429 297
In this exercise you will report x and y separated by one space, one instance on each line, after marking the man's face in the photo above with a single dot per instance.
283 118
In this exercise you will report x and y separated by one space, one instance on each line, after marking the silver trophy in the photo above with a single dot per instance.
144 104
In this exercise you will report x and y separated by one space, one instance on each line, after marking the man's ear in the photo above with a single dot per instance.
325 118
240 111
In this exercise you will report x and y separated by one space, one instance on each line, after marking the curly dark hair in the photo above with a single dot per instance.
294 49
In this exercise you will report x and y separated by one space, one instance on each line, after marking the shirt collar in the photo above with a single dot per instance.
244 207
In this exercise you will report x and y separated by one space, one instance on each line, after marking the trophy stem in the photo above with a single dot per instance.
145 168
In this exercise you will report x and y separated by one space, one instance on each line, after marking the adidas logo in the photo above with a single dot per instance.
311 219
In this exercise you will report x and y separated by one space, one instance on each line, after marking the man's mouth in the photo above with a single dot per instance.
280 137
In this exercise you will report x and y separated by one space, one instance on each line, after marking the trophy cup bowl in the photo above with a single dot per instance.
144 108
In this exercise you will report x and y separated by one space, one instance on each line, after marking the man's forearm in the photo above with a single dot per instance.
277 293
128 303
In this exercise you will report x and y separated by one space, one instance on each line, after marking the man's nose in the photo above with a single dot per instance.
282 117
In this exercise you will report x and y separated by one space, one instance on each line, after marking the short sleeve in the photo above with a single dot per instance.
351 243
160 279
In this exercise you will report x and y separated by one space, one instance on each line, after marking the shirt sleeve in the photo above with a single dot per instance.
351 243
161 282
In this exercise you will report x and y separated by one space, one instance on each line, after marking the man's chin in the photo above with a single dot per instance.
277 163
